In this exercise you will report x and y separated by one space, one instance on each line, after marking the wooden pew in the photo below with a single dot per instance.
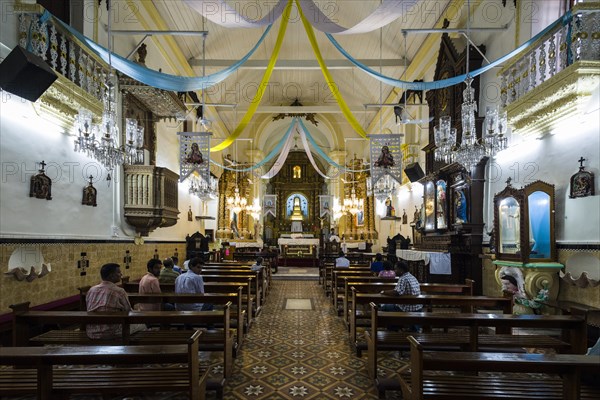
465 303
339 276
470 339
248 299
218 340
34 370
329 268
418 386
376 285
208 298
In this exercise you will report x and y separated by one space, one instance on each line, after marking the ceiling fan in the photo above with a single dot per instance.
403 117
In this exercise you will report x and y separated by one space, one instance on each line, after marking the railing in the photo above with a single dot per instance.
576 41
63 52
151 197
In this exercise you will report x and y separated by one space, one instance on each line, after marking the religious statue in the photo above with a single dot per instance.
297 172
404 217
385 160
460 207
513 285
195 156
297 216
233 226
388 207
190 215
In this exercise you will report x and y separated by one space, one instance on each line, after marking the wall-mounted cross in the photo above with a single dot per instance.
42 166
580 161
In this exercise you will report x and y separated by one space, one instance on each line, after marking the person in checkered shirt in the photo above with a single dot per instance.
407 285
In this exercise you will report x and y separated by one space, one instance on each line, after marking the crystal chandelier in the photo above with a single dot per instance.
352 204
235 202
254 209
384 188
102 141
205 191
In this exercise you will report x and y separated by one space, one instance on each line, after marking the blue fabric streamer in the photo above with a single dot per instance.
269 156
154 78
450 81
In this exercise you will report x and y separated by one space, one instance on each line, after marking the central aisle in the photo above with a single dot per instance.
298 349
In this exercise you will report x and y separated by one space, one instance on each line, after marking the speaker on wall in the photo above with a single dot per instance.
414 172
25 74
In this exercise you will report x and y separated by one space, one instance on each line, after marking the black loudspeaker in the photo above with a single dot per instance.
414 172
25 74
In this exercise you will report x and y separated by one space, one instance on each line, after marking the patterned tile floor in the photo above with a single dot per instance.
294 350
300 353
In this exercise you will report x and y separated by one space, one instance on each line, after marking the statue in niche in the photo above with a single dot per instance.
89 194
441 203
195 156
385 160
460 207
297 172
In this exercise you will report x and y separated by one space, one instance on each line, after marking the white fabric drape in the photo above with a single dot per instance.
219 12
387 12
308 153
281 159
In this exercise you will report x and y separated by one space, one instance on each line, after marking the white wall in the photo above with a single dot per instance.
27 139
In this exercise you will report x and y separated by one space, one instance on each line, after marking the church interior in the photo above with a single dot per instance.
458 137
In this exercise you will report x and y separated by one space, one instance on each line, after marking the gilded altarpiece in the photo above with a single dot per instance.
357 226
297 176
228 182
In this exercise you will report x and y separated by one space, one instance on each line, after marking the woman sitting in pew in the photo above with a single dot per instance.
388 270
107 296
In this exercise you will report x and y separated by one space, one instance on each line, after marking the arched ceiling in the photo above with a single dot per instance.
297 75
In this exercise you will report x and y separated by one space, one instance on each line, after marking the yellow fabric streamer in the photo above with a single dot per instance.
330 82
263 84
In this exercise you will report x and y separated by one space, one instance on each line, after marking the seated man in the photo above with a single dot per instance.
192 282
407 285
377 265
168 274
176 266
342 261
107 296
257 266
149 284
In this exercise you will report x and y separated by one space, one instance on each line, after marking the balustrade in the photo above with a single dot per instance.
579 40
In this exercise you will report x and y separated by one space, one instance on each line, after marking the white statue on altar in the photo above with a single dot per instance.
297 216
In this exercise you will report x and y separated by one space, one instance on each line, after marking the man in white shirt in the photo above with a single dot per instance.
342 261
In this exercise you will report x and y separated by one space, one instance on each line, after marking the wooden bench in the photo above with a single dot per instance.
465 303
207 298
248 299
470 338
376 285
416 385
330 268
35 370
217 340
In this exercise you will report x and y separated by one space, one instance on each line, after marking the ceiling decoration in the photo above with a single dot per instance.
308 116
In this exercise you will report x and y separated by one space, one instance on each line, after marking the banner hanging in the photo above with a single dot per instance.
194 155
270 204
386 157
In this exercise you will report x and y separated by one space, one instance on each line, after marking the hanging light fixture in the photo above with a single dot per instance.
205 191
236 202
384 188
102 141
352 204
470 151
